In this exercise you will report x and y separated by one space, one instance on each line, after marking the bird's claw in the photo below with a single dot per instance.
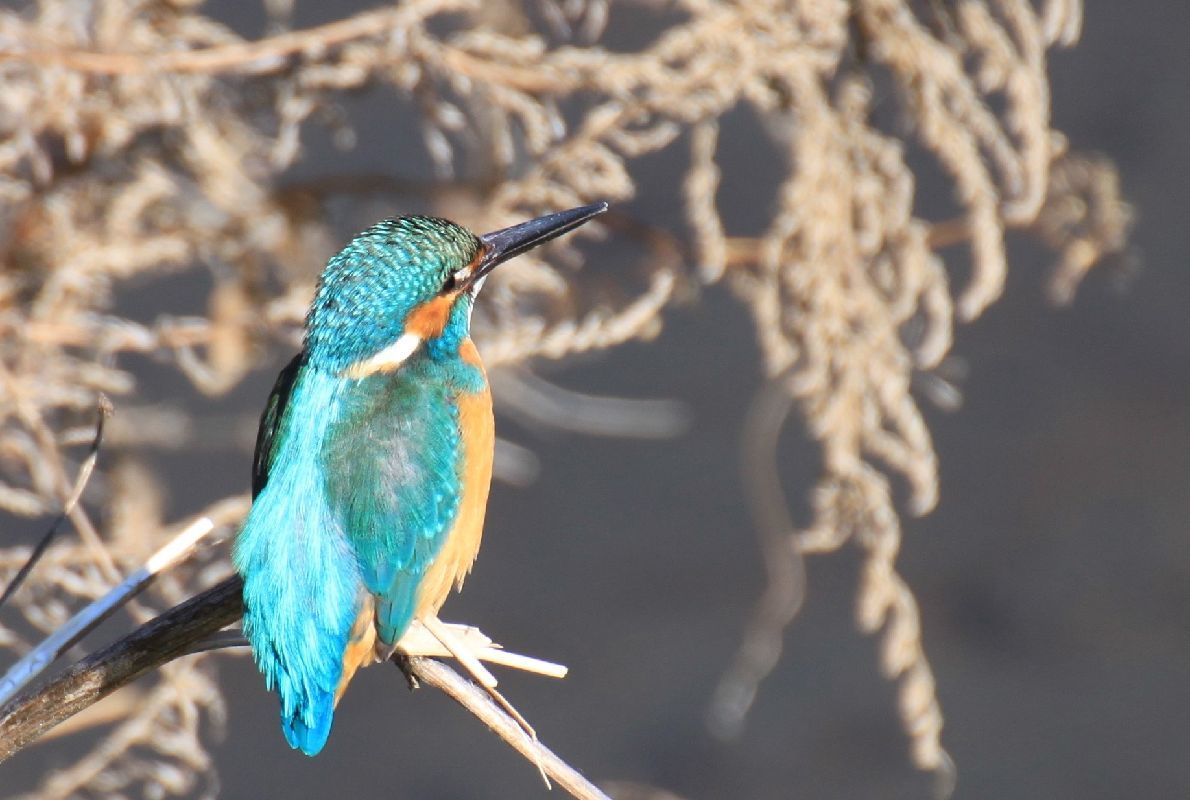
406 666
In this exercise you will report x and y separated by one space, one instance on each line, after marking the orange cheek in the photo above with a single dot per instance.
429 319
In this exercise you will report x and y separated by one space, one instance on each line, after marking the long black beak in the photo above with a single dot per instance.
501 245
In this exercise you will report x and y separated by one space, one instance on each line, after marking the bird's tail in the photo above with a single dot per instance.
301 597
310 739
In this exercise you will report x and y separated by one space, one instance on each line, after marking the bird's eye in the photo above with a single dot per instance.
455 280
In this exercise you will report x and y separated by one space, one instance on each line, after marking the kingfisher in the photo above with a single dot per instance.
373 459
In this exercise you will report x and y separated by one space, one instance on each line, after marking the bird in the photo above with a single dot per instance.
373 459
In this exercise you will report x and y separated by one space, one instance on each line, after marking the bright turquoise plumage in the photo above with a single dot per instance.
364 457
300 577
398 488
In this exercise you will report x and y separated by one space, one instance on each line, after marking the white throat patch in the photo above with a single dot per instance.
388 359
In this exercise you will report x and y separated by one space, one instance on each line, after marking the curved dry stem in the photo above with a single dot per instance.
80 484
785 569
477 702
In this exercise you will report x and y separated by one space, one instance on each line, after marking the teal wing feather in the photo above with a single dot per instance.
301 581
270 420
392 469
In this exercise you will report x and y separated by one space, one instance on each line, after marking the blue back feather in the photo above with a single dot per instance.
301 580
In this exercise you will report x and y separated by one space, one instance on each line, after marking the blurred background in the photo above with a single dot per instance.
1053 577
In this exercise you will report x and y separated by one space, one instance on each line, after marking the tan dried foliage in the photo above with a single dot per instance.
142 137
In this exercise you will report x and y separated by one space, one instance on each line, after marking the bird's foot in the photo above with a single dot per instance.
470 647
402 662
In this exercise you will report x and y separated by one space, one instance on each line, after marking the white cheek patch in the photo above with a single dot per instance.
473 291
388 359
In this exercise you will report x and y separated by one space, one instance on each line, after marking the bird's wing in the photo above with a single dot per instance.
392 474
270 421
301 582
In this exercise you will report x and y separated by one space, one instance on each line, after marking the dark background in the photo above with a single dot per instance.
1054 577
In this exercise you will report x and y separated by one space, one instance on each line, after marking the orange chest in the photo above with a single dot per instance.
454 560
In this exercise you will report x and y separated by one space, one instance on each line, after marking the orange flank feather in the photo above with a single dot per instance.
361 644
458 553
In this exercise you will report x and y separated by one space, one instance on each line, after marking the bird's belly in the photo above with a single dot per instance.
452 563
458 552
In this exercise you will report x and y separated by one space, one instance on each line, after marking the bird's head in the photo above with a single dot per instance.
408 283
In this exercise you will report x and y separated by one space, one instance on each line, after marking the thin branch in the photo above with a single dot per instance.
948 233
536 400
475 700
264 55
80 484
36 660
744 251
194 626
115 710
98 675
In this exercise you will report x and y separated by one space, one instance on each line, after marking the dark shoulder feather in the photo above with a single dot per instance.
270 420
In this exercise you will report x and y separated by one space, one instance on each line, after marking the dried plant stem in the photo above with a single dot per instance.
76 494
40 657
264 55
742 251
476 700
156 642
178 631
784 564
